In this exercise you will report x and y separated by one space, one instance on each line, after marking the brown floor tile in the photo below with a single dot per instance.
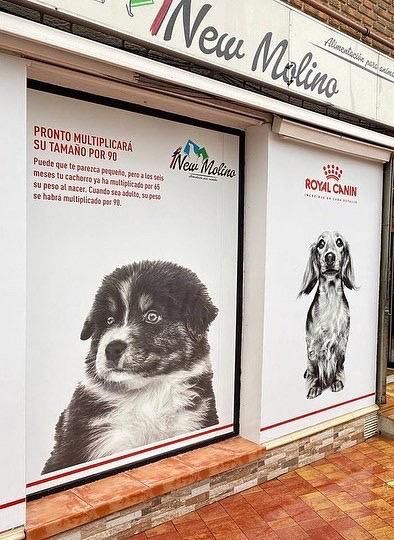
356 533
311 524
381 508
344 523
360 512
324 533
317 501
273 514
292 533
246 517
390 521
329 514
386 476
165 528
206 535
193 517
213 512
371 523
236 535
385 533
297 508
260 533
168 536
284 523
225 529
194 531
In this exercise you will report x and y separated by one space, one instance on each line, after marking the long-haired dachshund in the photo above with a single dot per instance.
328 321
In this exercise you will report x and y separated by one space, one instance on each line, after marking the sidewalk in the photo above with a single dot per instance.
344 496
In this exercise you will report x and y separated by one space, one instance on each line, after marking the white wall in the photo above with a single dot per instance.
256 171
13 293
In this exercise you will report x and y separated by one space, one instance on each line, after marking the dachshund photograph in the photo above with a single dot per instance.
148 374
328 320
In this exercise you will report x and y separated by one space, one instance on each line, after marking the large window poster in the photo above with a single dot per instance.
322 284
132 286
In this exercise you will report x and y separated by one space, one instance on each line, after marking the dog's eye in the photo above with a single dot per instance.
110 321
339 242
321 244
152 317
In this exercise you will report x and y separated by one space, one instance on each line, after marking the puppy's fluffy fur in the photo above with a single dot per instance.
148 373
328 320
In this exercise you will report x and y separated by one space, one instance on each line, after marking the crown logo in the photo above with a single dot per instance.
332 172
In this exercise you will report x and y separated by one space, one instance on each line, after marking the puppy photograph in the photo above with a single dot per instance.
329 268
148 375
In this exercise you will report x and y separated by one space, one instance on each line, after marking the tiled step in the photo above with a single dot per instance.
111 498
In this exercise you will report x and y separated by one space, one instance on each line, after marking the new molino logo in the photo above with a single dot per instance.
194 159
131 4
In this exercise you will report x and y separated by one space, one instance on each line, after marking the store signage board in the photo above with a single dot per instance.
263 40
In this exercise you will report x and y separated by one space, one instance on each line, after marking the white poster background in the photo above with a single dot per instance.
294 222
72 247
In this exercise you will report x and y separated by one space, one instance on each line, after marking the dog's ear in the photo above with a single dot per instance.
311 274
347 269
88 328
199 314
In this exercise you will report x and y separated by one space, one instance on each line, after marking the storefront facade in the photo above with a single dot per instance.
188 260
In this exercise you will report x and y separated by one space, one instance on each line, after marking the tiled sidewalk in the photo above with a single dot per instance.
388 409
344 496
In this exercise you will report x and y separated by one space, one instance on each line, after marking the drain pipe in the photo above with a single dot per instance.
385 290
364 30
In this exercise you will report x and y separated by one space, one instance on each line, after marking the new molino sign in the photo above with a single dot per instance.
263 40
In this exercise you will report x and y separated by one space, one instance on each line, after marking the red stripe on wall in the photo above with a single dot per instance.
126 456
3 506
316 412
156 25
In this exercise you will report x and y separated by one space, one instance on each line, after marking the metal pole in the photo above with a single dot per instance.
384 324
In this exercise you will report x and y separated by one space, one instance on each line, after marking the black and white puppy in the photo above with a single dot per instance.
148 373
328 320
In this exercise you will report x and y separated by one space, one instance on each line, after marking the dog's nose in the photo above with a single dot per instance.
114 350
330 258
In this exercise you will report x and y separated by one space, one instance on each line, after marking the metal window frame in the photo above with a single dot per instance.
386 283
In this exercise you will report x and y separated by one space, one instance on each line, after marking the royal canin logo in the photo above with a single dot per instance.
332 172
333 175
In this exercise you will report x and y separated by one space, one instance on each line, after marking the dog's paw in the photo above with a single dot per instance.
314 392
337 386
